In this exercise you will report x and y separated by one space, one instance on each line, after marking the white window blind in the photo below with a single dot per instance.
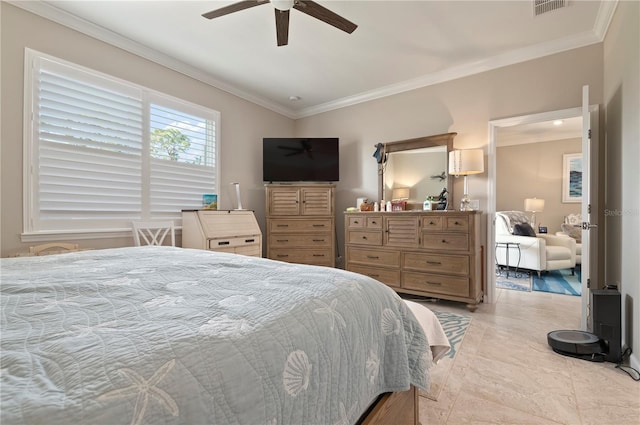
102 152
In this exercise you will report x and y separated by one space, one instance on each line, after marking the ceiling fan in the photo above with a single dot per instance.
282 8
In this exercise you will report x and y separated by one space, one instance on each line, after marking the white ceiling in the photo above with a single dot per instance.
398 45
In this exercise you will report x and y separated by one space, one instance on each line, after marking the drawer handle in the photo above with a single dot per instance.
282 225
318 225
374 275
223 243
373 257
282 255
444 241
457 223
434 283
356 222
364 237
318 240
283 240
249 240
318 255
437 263
431 222
374 222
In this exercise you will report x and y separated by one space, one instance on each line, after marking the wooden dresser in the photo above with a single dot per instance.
429 253
226 231
301 223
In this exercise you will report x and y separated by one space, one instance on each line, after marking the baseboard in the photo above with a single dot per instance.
634 362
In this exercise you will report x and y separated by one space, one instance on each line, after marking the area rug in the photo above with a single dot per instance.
559 282
519 282
455 327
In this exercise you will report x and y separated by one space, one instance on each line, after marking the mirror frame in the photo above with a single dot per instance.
445 139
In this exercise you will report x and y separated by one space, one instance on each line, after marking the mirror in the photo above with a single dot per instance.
418 164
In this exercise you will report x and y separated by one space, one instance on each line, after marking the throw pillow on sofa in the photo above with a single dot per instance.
571 230
523 229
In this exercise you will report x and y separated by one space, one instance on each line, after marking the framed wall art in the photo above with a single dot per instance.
572 178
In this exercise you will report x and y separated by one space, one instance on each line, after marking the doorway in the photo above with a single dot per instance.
525 129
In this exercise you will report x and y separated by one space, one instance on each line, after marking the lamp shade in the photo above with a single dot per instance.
534 205
400 193
465 162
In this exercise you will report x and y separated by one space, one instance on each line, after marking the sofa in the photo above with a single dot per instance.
535 252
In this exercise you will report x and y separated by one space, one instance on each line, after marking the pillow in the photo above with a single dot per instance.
523 229
574 232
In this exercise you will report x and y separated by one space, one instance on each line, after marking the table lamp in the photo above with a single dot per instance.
533 205
464 163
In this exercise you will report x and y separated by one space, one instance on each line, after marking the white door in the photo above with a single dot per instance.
589 203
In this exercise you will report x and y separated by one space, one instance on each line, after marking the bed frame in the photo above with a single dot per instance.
398 408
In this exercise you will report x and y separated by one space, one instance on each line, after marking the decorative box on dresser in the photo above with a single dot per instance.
301 223
429 253
225 231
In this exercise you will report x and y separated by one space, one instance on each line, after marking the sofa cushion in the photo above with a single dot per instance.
555 252
511 218
571 230
573 219
523 229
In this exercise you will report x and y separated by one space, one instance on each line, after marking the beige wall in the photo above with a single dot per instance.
243 124
534 170
622 206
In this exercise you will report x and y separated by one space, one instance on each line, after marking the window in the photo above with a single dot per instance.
101 152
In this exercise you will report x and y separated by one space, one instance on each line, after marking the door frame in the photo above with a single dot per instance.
494 126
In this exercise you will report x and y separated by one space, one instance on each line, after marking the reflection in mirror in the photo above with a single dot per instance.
417 164
422 171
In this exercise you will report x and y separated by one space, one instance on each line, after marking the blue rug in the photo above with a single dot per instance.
558 282
454 326
520 283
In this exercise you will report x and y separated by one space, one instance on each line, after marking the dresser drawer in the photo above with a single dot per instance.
251 250
312 240
365 237
386 258
215 244
436 263
357 222
445 241
431 224
456 224
437 284
294 226
321 257
374 222
387 276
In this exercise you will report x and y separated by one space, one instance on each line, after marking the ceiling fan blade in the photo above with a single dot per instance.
312 8
282 27
235 7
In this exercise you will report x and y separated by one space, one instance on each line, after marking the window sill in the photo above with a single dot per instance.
57 235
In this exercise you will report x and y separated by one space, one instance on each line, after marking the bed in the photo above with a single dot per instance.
150 335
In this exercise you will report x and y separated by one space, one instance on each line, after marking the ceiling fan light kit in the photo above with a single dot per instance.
282 8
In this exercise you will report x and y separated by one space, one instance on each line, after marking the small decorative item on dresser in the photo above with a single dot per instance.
430 203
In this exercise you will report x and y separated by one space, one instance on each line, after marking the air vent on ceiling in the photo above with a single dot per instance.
544 6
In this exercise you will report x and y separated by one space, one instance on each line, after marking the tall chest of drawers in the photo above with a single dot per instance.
429 253
301 223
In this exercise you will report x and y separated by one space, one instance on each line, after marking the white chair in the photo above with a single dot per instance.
153 232
572 227
540 252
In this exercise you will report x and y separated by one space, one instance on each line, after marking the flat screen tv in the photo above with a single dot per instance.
300 159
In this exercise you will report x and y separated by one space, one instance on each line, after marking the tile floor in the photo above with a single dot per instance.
505 373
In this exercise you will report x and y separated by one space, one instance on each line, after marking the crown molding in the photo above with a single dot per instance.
605 15
472 68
